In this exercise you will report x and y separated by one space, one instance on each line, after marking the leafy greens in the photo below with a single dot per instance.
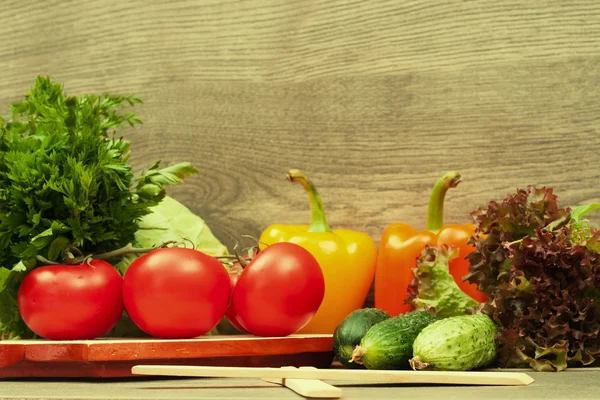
65 182
539 264
172 221
433 287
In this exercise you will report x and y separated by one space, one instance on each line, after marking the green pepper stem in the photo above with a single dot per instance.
318 222
435 213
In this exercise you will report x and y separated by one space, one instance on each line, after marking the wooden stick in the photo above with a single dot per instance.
308 387
374 376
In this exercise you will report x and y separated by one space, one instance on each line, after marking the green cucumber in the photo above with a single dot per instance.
457 343
351 330
389 344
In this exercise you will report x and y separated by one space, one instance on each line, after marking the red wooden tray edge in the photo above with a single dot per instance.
151 348
114 358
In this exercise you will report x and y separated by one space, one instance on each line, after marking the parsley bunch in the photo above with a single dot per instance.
65 182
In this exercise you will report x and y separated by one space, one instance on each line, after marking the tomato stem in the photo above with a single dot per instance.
74 249
258 242
44 260
190 242
318 222
129 249
242 262
435 213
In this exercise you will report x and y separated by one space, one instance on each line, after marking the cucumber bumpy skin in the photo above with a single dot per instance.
458 343
389 344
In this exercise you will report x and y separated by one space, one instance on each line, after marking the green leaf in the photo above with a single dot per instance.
169 175
549 359
59 227
579 211
171 220
66 181
42 236
11 323
434 286
150 191
557 223
155 165
4 274
593 243
57 246
46 237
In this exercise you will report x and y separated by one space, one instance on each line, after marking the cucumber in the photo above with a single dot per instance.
351 330
457 343
389 344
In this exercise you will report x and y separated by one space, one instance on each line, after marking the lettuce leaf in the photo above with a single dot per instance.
539 263
434 288
172 221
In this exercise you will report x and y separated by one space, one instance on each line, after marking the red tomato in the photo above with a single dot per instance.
279 291
71 302
176 293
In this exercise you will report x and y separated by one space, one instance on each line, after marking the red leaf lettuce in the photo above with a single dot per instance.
540 266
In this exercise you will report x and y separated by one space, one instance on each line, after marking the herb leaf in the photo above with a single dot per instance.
65 181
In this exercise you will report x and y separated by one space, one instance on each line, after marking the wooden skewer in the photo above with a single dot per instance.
308 387
374 376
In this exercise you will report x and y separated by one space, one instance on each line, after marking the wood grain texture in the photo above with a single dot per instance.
548 386
115 358
484 378
374 100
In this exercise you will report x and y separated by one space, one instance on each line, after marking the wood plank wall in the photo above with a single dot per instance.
373 99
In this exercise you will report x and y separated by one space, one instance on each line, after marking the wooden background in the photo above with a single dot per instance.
373 99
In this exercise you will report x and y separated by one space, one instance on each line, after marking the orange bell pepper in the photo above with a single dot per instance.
347 259
401 245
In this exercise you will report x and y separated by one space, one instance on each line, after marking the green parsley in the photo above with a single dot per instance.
65 182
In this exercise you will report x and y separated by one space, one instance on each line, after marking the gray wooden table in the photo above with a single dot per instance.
577 384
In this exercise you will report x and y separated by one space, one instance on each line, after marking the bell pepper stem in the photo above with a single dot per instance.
435 213
318 222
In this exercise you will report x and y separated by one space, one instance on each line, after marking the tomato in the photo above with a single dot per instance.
176 293
71 302
278 292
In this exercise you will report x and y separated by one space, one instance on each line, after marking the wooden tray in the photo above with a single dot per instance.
114 358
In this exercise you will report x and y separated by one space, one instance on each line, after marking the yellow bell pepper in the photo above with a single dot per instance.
347 259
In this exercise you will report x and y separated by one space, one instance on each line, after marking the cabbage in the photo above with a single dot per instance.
172 221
